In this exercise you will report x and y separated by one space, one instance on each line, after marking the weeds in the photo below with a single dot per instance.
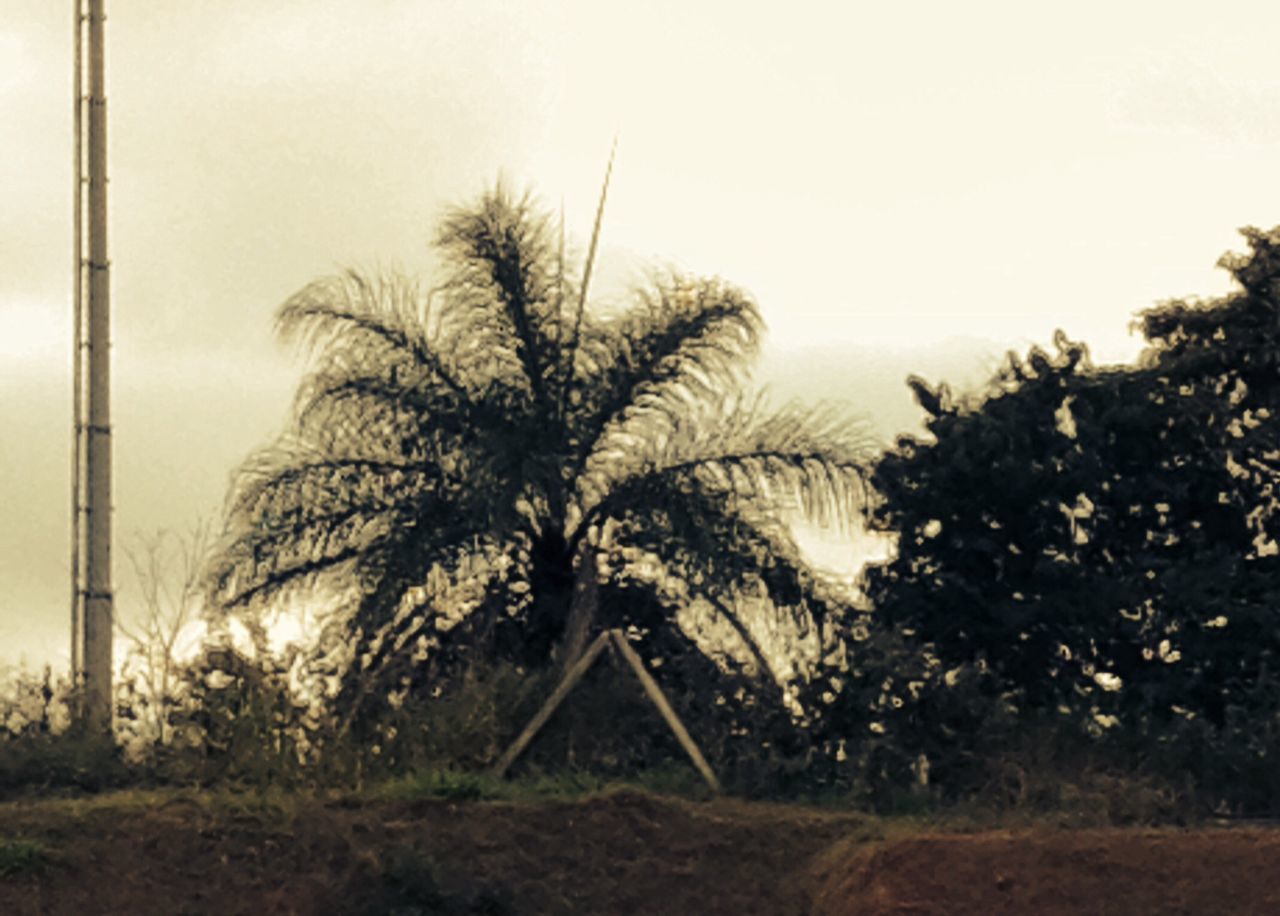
247 734
21 857
240 726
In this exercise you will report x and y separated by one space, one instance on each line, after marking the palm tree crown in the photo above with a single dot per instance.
496 431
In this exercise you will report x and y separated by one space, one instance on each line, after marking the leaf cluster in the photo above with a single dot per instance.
1102 542
457 452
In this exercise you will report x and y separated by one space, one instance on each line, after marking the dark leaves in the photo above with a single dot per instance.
487 434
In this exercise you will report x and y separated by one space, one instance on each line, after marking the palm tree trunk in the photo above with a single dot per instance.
583 608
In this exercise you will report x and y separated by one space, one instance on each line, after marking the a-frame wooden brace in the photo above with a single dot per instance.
570 680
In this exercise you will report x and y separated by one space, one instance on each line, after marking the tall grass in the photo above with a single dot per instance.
238 724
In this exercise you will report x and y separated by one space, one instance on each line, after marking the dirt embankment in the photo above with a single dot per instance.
1055 873
618 853
625 852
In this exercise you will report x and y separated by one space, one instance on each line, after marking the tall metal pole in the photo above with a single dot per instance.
98 600
77 353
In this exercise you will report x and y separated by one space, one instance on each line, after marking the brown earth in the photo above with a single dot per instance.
616 853
1053 873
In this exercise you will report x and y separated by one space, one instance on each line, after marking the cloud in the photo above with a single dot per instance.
33 332
1186 97
872 378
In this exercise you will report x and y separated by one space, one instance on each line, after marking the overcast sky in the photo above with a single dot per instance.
904 187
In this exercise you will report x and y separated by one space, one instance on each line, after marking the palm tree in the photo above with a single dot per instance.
495 434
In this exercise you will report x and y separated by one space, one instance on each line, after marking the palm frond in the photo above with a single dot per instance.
378 415
561 297
502 297
411 604
334 489
289 519
429 625
721 547
389 416
351 316
811 459
685 341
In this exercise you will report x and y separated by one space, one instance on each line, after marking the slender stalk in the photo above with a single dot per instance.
586 282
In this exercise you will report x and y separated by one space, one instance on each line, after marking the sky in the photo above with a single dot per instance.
912 187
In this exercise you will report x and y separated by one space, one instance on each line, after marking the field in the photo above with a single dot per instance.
622 851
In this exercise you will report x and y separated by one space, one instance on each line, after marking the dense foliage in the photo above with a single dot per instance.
493 471
1082 610
1099 544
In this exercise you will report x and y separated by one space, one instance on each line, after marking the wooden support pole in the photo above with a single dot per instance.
571 678
660 700
651 688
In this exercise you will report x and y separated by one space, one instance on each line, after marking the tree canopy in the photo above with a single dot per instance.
1103 540
492 468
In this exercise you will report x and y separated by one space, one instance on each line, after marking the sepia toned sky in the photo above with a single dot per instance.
903 187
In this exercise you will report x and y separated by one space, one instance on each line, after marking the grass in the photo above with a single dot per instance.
1022 790
270 805
1091 799
457 785
21 857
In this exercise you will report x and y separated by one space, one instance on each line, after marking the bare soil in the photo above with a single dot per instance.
622 852
1055 872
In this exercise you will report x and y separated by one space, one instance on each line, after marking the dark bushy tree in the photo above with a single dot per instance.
496 433
1103 540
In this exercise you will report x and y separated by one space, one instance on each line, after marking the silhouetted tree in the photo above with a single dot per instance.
498 442
1104 540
